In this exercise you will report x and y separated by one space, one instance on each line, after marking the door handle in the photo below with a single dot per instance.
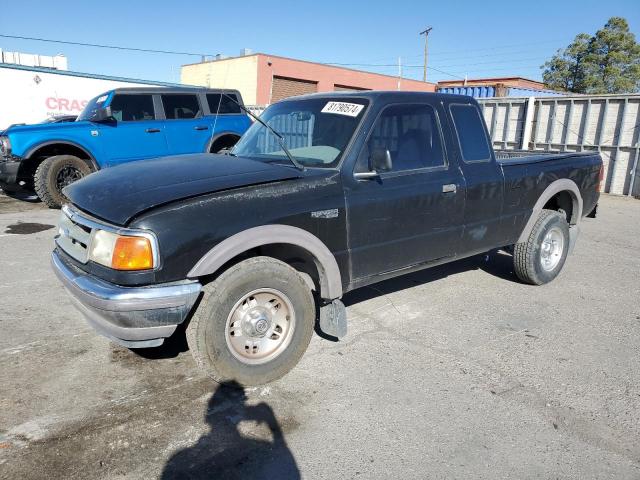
152 130
201 127
449 188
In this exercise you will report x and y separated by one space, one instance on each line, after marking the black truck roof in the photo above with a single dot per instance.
385 95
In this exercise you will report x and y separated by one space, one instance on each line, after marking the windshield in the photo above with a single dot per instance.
316 131
93 105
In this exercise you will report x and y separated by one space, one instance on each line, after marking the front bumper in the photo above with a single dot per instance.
135 317
9 172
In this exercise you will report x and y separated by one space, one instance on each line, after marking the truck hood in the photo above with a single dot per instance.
46 127
119 193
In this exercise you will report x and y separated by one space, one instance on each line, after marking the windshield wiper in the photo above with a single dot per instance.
280 138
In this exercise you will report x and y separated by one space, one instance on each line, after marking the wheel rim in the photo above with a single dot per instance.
260 326
67 175
551 249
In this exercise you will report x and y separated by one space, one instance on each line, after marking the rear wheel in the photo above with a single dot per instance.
55 173
254 322
541 258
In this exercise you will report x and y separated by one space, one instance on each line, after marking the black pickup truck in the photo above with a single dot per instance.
324 194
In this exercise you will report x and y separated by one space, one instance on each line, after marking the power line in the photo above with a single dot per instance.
113 47
201 54
496 62
389 65
446 54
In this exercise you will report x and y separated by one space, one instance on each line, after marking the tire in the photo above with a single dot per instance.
228 357
55 173
541 258
223 144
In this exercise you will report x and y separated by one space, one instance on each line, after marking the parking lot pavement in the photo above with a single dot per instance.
455 372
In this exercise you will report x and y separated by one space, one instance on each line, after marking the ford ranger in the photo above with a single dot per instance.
118 126
324 194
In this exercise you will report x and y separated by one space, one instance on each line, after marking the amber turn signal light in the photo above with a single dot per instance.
132 253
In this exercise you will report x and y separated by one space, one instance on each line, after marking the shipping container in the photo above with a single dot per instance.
604 123
489 91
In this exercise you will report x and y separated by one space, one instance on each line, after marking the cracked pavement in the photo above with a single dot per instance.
457 371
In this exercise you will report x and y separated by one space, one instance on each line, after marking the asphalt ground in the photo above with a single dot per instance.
455 372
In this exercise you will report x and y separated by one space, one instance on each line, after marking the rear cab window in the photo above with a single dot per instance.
179 106
132 108
222 104
471 134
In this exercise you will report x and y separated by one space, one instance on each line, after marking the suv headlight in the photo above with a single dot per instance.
5 146
122 252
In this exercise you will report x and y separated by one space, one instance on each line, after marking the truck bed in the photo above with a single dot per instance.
516 157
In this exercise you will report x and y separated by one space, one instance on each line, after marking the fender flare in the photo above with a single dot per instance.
218 136
562 185
329 273
34 148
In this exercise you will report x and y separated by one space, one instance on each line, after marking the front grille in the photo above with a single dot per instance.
74 235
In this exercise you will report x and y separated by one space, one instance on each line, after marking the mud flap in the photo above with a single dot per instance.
574 230
333 319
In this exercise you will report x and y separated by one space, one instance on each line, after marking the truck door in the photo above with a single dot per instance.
413 213
187 129
135 133
483 179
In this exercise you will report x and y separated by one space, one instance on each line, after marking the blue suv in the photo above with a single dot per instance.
119 126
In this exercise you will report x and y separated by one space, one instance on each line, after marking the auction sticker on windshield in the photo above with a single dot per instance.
343 108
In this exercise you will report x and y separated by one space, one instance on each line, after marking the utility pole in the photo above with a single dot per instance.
399 72
426 36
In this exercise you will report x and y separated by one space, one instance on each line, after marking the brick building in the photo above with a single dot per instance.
264 79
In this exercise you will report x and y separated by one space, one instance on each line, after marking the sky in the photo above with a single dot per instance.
468 38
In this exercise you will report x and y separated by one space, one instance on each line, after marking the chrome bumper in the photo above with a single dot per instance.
135 317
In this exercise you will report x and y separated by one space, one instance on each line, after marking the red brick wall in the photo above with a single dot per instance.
325 77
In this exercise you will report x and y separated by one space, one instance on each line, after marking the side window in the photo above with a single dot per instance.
225 104
412 136
180 106
132 108
471 133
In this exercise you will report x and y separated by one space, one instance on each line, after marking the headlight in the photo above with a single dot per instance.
5 146
121 252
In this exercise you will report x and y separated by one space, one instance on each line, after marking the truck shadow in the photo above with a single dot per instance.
225 452
497 263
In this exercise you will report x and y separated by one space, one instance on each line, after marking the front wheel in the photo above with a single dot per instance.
55 173
254 322
541 258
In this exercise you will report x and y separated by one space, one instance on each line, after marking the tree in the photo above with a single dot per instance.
566 70
607 62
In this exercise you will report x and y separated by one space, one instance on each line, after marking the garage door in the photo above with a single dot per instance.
284 87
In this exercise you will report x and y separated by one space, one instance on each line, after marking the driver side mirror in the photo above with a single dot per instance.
379 162
102 115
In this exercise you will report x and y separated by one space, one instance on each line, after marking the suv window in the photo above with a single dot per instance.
132 108
178 106
412 136
226 104
471 133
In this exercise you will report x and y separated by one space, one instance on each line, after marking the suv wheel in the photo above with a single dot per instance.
540 259
55 173
254 322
